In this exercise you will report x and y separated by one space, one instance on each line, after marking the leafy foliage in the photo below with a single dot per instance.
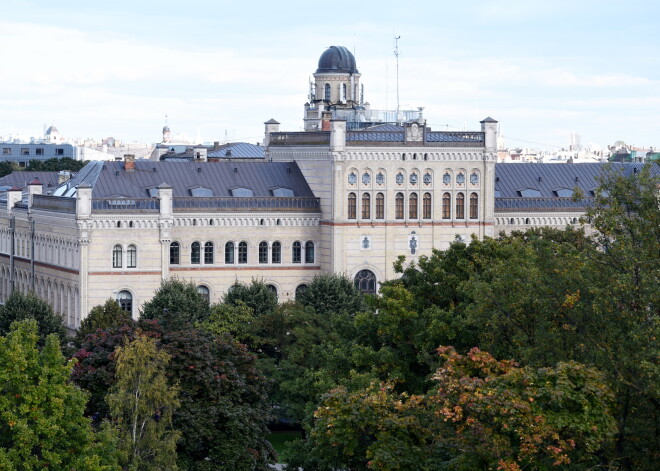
21 306
55 165
256 295
332 293
41 413
103 317
141 404
176 303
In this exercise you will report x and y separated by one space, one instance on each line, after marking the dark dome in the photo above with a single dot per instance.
166 129
51 130
337 59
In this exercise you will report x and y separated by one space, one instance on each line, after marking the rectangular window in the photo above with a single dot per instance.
59 151
242 252
6 151
398 213
426 209
39 151
380 206
25 151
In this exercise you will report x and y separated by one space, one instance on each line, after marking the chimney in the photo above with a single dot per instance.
326 116
271 126
14 195
129 162
34 188
63 176
337 135
489 128
216 145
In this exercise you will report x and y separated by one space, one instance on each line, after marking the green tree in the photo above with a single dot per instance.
142 403
41 413
21 306
55 165
176 302
6 168
332 293
103 317
230 319
256 295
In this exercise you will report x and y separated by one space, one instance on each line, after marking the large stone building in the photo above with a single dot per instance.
346 196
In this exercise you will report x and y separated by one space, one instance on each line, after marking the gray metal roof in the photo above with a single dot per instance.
239 150
110 179
337 59
23 179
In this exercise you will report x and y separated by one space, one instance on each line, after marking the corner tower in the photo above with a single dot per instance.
335 91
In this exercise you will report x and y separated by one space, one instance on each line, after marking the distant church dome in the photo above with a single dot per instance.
51 130
337 59
166 129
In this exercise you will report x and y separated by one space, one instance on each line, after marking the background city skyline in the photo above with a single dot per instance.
219 70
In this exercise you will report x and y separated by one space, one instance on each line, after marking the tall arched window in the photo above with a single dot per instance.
117 256
242 252
446 206
474 206
327 92
125 300
426 210
365 281
174 253
309 252
272 288
204 292
131 256
352 206
263 252
460 206
300 290
366 206
208 253
343 92
276 252
398 207
380 206
195 252
412 206
296 252
229 253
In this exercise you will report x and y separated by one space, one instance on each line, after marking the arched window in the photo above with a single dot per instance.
343 92
276 252
474 206
195 252
272 288
398 207
380 206
208 253
229 253
351 206
174 253
327 92
296 253
309 252
125 300
426 210
365 281
263 252
366 206
300 290
204 292
242 252
460 206
446 206
116 256
412 206
131 256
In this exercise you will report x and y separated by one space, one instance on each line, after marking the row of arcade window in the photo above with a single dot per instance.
413 206
118 256
239 253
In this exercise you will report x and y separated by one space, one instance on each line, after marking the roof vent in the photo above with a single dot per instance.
540 179
199 169
288 169
154 169
235 169
497 179
577 179
116 173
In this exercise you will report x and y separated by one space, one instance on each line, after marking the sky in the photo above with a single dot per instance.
218 69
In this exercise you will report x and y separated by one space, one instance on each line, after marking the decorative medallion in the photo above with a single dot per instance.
399 178
460 178
380 178
427 178
446 179
365 242
352 178
413 178
366 178
413 243
474 178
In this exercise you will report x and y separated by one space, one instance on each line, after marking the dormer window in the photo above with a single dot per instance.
201 192
153 192
529 193
563 192
242 192
282 192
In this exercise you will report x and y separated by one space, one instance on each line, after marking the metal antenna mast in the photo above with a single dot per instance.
396 54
